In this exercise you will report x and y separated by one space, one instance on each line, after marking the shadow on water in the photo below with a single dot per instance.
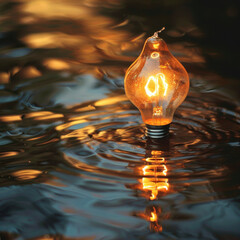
74 160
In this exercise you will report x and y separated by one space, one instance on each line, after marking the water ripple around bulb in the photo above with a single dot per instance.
98 148
86 171
109 140
105 141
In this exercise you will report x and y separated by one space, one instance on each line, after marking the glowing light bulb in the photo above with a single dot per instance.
156 83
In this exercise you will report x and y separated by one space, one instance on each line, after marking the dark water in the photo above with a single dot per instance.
74 160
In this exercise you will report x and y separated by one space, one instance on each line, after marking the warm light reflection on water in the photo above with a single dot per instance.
155 181
8 154
102 39
155 172
43 115
73 155
154 225
11 118
26 174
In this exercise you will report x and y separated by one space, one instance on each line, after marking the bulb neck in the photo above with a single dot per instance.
157 132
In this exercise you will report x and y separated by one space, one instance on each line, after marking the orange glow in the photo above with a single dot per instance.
156 83
157 152
90 46
11 118
4 77
153 82
153 217
155 183
110 101
56 64
69 124
154 160
155 226
162 121
156 45
8 154
43 115
149 170
26 174
155 55
165 170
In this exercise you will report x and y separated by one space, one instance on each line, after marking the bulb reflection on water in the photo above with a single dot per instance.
155 181
155 172
154 225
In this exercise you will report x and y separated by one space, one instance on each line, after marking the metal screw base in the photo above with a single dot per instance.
157 131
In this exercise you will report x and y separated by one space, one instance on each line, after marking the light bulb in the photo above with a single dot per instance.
156 83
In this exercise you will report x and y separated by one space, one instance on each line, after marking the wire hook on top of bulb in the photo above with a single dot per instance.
156 83
157 33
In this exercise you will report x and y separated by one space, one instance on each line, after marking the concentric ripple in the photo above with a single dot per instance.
98 153
74 160
105 141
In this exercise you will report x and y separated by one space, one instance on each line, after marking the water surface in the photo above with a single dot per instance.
74 160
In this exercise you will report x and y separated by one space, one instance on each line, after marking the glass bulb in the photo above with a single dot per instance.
156 83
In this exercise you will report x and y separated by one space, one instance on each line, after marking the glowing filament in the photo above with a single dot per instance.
162 76
154 81
155 226
149 170
165 170
155 184
153 217
148 91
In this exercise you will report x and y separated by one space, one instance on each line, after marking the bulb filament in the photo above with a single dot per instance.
155 183
152 85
